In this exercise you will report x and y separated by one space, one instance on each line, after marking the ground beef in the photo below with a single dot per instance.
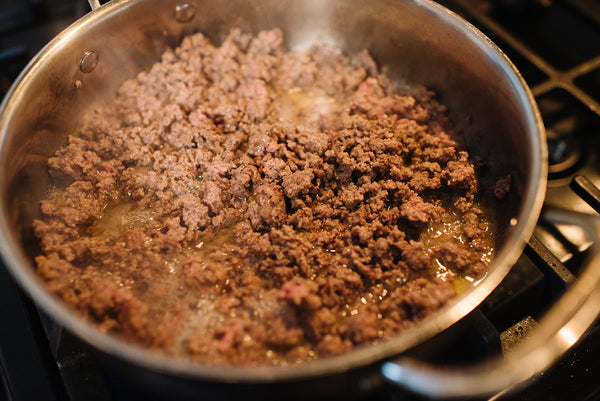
246 205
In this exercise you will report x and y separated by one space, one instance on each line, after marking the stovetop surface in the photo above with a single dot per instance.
556 46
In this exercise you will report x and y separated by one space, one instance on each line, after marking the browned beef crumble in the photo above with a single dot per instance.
247 205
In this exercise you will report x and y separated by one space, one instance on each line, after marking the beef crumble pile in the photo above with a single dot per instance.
246 205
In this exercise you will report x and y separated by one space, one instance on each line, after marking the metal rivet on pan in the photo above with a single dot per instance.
184 12
88 62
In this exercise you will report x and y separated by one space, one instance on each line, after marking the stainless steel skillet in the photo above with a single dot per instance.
419 42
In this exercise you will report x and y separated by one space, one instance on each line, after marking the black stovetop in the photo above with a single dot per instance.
556 46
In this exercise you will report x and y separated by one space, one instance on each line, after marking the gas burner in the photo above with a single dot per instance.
570 128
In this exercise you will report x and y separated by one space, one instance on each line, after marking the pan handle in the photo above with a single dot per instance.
94 4
559 329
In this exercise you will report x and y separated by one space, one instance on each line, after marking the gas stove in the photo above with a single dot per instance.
556 46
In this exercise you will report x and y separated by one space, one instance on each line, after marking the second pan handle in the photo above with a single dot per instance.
559 329
94 4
